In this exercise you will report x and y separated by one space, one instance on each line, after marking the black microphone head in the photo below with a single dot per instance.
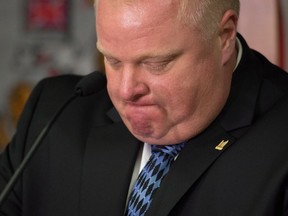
90 84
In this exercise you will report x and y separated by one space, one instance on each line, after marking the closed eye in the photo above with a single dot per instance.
161 63
156 66
114 63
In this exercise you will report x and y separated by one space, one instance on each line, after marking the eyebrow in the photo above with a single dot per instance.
172 54
98 46
162 56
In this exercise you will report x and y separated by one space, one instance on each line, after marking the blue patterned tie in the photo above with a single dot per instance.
150 178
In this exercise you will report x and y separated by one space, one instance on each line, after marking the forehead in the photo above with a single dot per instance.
139 8
138 16
146 28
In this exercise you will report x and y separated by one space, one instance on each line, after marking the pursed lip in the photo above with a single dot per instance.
138 104
138 107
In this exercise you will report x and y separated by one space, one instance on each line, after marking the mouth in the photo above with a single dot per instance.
139 104
139 107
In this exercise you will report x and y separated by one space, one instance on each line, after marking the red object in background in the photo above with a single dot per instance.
50 15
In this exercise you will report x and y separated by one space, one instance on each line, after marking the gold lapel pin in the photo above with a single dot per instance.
221 145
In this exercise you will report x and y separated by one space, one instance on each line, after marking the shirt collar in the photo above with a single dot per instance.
240 52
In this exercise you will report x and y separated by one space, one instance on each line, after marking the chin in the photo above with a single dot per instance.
151 139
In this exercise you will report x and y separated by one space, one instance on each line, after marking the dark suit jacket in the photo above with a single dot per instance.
85 162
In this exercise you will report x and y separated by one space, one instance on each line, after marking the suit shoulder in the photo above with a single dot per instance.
272 72
63 84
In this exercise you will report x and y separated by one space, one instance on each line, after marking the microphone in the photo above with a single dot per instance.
88 85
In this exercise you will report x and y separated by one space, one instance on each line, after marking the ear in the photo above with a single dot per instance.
227 34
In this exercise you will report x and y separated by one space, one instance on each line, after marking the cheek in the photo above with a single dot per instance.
186 92
110 89
176 97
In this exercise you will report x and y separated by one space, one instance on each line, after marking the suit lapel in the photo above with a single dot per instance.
107 168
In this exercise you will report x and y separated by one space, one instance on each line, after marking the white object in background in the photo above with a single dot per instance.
259 25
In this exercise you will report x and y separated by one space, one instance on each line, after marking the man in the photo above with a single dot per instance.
177 73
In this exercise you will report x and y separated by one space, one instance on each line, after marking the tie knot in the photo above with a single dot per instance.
172 150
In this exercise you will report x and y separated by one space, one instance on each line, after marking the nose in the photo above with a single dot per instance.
133 85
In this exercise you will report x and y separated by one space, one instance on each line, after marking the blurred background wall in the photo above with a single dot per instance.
40 38
264 24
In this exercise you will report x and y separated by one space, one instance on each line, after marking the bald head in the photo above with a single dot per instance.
202 14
